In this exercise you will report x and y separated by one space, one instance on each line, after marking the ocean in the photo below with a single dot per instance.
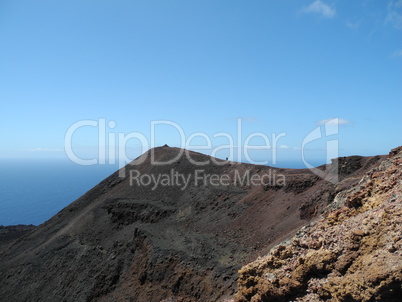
32 191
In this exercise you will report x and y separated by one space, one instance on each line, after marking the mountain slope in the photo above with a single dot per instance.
129 242
354 253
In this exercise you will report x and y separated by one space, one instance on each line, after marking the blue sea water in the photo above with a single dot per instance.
32 191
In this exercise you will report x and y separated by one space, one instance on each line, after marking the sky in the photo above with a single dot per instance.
251 69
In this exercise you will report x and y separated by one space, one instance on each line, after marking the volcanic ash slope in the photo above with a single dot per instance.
354 253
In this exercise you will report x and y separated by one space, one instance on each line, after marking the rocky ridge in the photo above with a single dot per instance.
127 242
353 253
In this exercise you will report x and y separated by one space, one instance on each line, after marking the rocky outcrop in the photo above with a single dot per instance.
353 253
124 241
13 232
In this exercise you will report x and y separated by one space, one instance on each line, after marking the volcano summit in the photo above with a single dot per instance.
124 241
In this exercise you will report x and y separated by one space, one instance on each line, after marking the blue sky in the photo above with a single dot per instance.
280 66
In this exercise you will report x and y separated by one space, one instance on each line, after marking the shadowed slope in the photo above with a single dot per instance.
352 254
122 242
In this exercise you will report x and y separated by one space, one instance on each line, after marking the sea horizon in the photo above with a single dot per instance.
35 189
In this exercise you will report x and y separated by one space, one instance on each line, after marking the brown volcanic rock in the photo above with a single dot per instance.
122 242
354 253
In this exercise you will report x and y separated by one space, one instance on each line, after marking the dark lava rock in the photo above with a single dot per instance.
126 242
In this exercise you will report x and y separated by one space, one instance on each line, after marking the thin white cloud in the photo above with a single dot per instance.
319 7
353 25
44 150
397 53
394 17
283 147
334 121
248 119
